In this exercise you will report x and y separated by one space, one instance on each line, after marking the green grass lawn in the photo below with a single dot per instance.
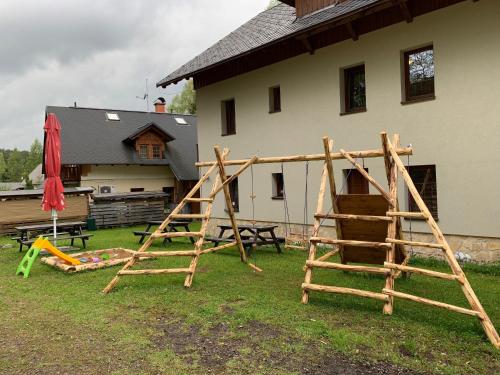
233 320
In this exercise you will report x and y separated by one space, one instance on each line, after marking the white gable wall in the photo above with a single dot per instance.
459 131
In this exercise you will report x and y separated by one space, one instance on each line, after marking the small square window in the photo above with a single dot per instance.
143 151
278 186
418 68
354 89
157 152
228 117
424 179
274 99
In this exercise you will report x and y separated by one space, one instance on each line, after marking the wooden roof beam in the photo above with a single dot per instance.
304 39
405 11
352 31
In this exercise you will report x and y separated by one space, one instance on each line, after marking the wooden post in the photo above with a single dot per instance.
229 204
333 193
317 224
392 227
387 161
469 293
203 230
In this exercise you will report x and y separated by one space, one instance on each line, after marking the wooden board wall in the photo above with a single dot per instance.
29 211
364 204
127 212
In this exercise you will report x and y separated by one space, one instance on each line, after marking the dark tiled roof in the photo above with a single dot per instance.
87 137
270 26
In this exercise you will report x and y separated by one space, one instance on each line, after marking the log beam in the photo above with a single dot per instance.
431 302
346 267
340 290
331 241
353 217
414 243
370 179
420 271
312 157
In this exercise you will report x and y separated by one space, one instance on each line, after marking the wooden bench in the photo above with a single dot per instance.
83 237
245 240
172 227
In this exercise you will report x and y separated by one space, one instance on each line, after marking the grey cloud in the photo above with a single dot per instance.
98 53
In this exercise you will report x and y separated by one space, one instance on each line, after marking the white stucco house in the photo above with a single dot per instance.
425 69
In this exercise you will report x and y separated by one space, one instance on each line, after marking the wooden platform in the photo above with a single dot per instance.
360 230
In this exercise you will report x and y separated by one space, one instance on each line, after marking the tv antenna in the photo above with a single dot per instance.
145 97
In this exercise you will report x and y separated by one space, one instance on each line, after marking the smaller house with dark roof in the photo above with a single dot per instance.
117 151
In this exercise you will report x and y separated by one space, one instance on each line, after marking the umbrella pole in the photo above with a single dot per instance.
54 220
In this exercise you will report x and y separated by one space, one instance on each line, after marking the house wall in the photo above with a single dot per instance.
458 131
123 178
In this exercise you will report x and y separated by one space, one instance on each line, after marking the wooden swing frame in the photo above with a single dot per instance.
392 244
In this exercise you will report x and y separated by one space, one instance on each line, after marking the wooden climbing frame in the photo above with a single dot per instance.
368 231
220 184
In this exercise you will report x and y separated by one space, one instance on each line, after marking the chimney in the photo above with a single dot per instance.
160 105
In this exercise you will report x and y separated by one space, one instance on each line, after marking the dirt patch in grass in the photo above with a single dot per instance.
258 347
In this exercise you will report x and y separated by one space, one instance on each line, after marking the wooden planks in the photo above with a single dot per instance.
126 211
363 205
27 211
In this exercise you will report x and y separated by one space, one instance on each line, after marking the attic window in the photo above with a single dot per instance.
112 116
181 121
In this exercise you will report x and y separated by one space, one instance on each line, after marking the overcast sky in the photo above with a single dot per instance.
99 53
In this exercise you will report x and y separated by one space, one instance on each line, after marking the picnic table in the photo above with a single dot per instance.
27 234
172 227
250 235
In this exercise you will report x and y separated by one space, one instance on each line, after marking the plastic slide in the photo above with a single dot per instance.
43 243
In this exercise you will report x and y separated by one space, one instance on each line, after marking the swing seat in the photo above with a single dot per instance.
372 231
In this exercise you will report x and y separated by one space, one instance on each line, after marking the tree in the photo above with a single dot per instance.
3 166
15 166
34 157
185 102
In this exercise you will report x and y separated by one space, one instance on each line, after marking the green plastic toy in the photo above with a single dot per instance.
29 258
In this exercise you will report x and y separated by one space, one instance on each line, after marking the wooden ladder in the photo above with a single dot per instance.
159 233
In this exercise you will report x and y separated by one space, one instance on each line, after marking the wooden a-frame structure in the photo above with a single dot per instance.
368 230
352 227
221 183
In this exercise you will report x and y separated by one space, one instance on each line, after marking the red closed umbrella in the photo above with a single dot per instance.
53 194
